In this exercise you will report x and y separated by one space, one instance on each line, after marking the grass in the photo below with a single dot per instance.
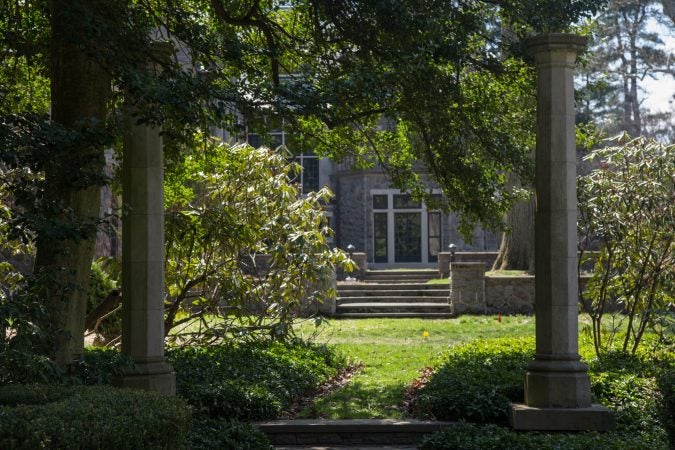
393 351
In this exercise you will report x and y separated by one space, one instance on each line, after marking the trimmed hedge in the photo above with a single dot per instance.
91 417
465 436
250 381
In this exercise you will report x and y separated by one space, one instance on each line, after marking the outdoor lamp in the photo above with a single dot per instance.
350 250
453 249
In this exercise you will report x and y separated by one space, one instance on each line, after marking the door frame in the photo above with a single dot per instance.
390 211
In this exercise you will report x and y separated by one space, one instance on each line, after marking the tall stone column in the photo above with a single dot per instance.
143 259
557 387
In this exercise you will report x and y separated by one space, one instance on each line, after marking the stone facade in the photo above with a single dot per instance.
352 214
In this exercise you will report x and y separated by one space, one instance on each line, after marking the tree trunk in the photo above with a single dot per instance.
669 9
516 251
80 90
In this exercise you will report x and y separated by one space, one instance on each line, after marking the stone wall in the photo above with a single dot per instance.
509 295
471 292
488 258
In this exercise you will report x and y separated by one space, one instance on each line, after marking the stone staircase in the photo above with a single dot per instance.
393 293
351 434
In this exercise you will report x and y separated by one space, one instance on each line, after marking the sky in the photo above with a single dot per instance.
659 96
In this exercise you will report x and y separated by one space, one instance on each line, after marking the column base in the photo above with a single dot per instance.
156 376
593 418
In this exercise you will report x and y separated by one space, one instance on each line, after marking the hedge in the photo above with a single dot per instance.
91 417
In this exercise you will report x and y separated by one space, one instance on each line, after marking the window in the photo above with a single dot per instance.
404 201
380 201
308 178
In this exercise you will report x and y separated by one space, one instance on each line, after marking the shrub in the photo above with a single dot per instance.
92 417
227 435
476 381
250 381
97 365
466 436
666 383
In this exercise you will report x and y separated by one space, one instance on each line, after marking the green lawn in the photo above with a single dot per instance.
393 351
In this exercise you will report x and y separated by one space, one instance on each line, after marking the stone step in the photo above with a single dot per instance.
399 275
393 299
389 307
396 315
349 433
344 293
389 286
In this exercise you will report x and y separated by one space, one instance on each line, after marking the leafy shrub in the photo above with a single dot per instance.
476 381
666 383
250 381
466 436
227 435
97 365
101 284
92 417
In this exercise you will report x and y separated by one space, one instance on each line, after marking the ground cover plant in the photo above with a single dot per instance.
92 417
220 387
476 381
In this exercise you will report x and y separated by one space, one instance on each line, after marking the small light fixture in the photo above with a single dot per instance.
453 249
350 251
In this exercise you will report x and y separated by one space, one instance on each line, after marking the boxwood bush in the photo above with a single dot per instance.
91 417
250 381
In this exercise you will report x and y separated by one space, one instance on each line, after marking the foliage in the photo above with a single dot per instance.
476 382
435 70
98 366
229 209
26 337
469 385
627 207
466 436
252 380
626 49
102 283
666 383
90 417
207 434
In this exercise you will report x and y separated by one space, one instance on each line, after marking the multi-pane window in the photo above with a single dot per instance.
308 178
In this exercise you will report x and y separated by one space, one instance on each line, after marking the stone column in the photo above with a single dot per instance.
557 387
143 259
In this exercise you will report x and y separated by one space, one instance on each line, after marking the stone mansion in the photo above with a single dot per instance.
389 226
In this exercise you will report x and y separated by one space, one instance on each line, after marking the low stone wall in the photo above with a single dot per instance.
509 295
471 292
444 258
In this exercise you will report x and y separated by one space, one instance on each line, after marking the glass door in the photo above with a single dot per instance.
408 237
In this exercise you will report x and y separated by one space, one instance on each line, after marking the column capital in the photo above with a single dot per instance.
555 42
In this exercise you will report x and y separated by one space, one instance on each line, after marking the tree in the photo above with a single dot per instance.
432 70
627 204
625 52
243 244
